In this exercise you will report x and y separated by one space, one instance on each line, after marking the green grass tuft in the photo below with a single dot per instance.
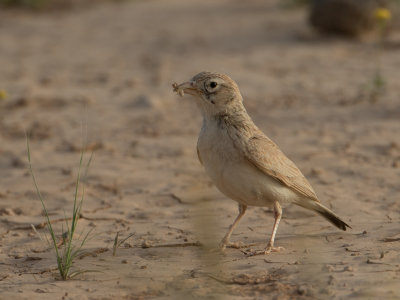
68 252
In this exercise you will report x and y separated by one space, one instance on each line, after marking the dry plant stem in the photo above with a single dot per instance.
195 244
119 243
115 244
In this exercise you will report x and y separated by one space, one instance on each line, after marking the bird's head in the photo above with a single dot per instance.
214 93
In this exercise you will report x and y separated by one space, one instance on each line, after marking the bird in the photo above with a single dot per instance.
242 162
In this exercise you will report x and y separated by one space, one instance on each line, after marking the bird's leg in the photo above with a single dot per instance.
270 247
278 215
225 241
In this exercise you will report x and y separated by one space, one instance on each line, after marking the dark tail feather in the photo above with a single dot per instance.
325 212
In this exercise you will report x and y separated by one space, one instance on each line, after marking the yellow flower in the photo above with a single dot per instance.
3 95
382 14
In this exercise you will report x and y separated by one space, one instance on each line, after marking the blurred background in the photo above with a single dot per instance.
319 77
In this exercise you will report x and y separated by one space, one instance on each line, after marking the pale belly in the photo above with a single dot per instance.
247 185
238 179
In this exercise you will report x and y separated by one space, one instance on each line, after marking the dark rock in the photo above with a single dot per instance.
346 17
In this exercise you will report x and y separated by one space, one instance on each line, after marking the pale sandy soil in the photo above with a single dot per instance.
110 68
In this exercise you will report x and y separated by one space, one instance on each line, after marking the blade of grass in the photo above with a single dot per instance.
50 228
88 165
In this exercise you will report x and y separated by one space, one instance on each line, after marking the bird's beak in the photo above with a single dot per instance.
188 87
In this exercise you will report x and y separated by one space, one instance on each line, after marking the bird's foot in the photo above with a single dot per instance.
222 245
274 249
267 250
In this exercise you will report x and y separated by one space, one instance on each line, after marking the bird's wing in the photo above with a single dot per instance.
265 155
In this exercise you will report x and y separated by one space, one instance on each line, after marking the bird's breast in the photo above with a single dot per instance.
216 151
225 166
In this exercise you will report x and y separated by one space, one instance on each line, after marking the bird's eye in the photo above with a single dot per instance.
213 84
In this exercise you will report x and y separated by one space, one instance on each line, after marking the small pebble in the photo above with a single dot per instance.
328 268
146 244
302 290
348 269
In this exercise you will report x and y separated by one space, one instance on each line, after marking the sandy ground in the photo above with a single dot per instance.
109 69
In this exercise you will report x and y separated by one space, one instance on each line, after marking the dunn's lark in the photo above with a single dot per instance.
243 163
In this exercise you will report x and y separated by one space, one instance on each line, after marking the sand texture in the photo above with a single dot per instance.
106 71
